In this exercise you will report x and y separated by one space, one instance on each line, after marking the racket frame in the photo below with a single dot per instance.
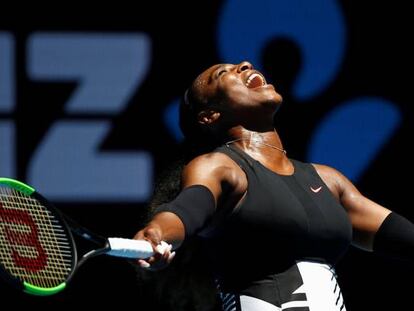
26 286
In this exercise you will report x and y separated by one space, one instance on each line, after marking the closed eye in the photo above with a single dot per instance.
221 72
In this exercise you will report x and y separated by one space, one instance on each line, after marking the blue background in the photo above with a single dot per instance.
88 112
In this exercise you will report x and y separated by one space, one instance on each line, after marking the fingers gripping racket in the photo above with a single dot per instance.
37 251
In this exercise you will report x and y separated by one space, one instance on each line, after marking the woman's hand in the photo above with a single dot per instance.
162 251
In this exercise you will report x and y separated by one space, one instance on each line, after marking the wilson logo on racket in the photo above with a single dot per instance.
38 253
24 240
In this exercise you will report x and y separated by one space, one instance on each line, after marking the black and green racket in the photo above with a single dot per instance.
38 254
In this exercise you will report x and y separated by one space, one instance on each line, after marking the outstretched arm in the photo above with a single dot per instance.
204 181
375 228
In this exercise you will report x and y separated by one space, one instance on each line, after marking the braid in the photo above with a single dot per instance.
186 284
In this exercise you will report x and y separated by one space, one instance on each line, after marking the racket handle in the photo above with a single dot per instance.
120 247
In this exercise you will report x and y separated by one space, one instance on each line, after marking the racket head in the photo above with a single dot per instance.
37 249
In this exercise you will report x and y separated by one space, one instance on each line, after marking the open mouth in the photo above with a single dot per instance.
255 80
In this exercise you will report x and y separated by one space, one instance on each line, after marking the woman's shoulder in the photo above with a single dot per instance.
327 170
213 159
335 179
214 166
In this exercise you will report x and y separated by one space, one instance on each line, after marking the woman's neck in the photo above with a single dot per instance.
257 142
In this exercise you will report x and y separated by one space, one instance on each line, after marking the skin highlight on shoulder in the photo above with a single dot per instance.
217 172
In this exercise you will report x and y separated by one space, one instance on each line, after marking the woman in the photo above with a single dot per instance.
272 227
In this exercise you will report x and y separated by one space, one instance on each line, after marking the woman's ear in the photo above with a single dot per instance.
208 116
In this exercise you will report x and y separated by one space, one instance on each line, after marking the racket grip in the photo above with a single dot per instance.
120 247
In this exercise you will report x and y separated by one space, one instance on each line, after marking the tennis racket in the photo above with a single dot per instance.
38 254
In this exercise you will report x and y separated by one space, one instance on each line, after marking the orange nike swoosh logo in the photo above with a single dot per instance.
316 190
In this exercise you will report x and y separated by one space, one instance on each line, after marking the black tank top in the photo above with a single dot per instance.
282 219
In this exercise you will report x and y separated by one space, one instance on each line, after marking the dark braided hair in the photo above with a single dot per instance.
187 284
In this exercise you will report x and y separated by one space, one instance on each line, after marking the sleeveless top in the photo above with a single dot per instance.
282 220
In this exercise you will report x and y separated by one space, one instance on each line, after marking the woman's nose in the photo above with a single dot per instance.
244 66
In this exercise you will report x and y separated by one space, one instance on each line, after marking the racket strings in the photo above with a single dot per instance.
36 248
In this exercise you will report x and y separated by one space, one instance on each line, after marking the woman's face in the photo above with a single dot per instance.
236 88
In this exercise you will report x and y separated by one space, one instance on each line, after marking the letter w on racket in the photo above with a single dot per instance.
38 254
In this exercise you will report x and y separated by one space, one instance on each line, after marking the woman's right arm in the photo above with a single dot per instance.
202 184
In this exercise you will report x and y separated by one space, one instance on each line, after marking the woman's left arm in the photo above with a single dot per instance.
375 228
